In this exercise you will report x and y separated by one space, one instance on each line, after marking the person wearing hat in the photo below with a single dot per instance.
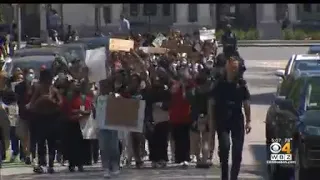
229 41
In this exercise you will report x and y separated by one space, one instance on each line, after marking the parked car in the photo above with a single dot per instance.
43 51
315 49
34 62
302 62
295 115
73 51
94 42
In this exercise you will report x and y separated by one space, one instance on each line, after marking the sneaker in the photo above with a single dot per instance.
106 174
50 170
162 164
71 168
38 169
154 164
27 161
12 159
185 164
115 173
80 168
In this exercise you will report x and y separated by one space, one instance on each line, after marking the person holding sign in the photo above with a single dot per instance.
77 106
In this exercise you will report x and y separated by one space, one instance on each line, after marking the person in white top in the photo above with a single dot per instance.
124 26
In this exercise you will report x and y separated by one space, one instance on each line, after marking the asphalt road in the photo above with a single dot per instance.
261 64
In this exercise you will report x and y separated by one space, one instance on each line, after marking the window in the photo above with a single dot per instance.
149 9
107 14
193 13
295 92
307 8
134 9
166 9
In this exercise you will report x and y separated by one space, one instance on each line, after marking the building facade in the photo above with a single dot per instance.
87 18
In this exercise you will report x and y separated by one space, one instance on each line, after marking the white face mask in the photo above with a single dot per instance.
143 85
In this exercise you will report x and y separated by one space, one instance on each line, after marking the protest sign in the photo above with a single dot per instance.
171 44
157 42
153 50
197 47
184 49
96 63
120 45
207 34
88 127
159 115
109 113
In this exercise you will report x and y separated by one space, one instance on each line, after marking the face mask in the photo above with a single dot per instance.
30 77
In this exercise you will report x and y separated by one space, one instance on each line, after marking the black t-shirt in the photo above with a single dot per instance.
228 98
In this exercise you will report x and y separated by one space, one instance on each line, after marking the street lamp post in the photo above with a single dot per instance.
149 20
18 13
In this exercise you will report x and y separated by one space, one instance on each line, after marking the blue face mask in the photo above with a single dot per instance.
29 77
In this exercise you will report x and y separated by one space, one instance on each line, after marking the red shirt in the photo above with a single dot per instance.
75 103
180 108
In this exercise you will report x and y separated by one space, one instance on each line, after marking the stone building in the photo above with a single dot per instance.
87 18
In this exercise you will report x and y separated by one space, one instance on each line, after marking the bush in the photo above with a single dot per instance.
288 34
241 35
314 35
252 34
219 33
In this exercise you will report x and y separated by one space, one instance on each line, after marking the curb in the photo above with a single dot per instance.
277 41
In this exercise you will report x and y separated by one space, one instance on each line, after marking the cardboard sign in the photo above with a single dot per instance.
184 49
159 40
109 113
153 50
207 34
194 56
96 63
120 45
170 44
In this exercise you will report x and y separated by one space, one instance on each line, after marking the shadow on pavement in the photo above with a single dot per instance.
258 151
262 99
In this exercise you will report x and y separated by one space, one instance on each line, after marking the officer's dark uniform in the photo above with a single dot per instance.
228 98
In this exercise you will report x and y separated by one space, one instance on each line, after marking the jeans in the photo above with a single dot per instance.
16 147
109 149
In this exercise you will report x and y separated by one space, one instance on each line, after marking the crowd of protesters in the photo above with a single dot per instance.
185 108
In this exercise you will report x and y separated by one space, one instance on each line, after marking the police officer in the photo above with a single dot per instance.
229 42
228 96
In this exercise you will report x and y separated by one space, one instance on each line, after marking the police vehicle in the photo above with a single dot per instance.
302 62
294 116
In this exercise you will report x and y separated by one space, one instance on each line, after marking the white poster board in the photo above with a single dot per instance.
153 50
208 34
96 63
157 42
88 127
110 113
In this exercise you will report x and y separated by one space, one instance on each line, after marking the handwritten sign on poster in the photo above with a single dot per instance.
157 42
207 34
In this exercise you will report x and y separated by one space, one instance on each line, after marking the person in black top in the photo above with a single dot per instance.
229 95
229 42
